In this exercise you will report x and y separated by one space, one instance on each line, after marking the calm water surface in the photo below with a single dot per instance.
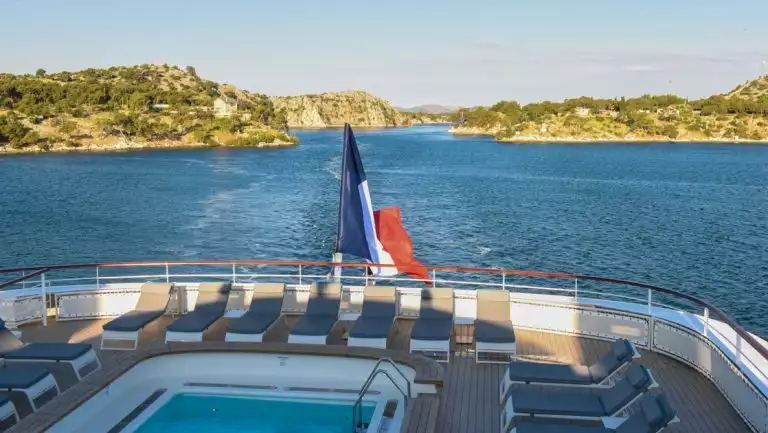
687 217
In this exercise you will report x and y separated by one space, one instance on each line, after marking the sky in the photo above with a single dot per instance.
408 52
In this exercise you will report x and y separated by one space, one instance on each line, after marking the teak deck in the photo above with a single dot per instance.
468 402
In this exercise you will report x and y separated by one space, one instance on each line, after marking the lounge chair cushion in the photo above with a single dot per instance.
195 321
532 427
50 351
253 322
314 325
523 371
371 327
21 376
563 403
132 320
654 414
621 353
494 332
154 296
8 341
432 329
379 301
436 303
636 382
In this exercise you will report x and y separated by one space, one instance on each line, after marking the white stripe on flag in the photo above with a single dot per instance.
374 246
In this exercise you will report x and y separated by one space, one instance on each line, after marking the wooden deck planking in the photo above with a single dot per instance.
468 402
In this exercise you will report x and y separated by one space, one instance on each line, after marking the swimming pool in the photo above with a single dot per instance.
200 412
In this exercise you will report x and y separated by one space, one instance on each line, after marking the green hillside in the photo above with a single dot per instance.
131 107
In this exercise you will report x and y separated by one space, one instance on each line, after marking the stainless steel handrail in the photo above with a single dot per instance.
357 408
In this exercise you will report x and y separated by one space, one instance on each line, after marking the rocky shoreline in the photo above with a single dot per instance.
133 146
539 139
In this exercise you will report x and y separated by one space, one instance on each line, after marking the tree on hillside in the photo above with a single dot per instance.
40 72
191 71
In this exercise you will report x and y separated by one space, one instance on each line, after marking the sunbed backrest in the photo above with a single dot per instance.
212 297
154 296
267 297
654 414
621 352
379 301
8 341
436 303
324 299
636 382
493 305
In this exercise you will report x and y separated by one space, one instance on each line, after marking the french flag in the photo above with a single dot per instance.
378 237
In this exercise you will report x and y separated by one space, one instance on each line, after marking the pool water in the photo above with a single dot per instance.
193 412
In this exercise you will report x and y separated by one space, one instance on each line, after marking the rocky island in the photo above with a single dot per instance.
738 116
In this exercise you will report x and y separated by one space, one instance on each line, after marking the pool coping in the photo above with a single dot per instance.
428 371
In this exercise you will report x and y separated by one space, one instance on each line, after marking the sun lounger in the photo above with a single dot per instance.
79 356
210 306
433 329
494 333
372 328
597 375
265 309
152 304
35 382
552 403
653 416
316 323
8 415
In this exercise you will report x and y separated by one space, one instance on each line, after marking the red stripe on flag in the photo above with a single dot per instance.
395 240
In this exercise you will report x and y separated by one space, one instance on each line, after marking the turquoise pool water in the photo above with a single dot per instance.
193 413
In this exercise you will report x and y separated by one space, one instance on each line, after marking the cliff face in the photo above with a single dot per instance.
332 109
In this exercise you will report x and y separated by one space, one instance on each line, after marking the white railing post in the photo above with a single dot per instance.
503 281
706 322
365 274
650 320
234 273
167 274
45 304
98 285
23 282
299 274
434 278
337 258
576 289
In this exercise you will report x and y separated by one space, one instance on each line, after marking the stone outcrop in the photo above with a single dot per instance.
328 110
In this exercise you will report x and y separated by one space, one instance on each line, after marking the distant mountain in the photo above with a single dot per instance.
430 109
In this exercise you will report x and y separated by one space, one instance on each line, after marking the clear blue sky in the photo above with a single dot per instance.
409 52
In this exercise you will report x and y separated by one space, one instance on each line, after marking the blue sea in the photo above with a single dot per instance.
689 217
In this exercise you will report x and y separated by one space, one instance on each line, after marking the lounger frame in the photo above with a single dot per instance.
482 348
307 339
8 411
317 339
439 350
613 422
254 338
186 336
39 393
133 336
375 342
506 383
82 366
508 413
485 351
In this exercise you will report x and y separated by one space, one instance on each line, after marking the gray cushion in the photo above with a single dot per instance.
196 321
379 301
371 327
154 296
532 427
8 341
50 351
620 354
554 403
314 325
266 305
21 376
494 332
636 382
654 415
323 305
432 329
132 320
253 322
523 371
